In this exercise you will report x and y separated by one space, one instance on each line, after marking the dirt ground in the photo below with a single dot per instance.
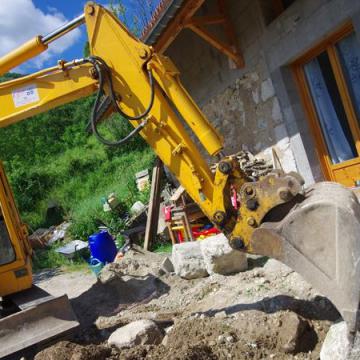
267 312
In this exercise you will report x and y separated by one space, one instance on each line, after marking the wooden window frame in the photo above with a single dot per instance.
328 45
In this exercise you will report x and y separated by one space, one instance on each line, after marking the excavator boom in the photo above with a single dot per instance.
313 230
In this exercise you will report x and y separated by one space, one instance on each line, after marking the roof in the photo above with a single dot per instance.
163 14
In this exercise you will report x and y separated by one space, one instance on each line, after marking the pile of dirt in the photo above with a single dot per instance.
266 312
254 335
66 350
283 335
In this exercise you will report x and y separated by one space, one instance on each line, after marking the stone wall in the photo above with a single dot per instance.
241 103
258 107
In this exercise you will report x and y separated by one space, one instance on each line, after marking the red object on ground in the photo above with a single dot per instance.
212 231
167 213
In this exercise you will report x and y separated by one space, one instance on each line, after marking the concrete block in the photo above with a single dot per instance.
276 111
267 90
141 332
188 260
220 258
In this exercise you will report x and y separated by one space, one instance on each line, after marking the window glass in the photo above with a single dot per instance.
330 110
7 253
349 54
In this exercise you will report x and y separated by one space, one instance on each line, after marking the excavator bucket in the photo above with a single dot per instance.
36 325
320 239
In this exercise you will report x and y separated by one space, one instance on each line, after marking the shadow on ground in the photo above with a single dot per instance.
45 275
319 308
112 297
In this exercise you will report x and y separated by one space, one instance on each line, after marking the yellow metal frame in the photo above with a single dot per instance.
129 61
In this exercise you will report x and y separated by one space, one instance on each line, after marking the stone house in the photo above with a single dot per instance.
272 74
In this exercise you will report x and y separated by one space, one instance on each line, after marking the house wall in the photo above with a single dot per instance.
258 107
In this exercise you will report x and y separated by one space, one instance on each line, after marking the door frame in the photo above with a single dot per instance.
328 45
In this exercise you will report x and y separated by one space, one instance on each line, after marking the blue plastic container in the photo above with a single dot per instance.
102 247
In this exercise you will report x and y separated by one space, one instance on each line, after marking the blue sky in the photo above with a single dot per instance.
20 20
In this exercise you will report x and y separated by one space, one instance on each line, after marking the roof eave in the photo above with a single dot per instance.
160 25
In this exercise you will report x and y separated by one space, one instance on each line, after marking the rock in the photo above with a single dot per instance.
109 273
141 332
230 339
167 266
291 330
336 345
221 339
188 260
165 340
220 258
220 315
274 267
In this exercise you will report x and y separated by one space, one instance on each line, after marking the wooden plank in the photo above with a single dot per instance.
207 20
154 205
217 43
178 192
230 33
171 234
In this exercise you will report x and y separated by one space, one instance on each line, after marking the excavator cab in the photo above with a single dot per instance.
7 252
15 250
22 304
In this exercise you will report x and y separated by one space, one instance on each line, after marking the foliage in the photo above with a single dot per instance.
162 248
137 20
49 258
50 157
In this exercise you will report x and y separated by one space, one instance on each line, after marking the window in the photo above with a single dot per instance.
7 253
329 83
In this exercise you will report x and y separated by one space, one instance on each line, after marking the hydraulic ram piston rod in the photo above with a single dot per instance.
36 46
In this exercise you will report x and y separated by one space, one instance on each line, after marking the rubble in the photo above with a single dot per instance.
45 237
188 260
142 332
202 318
220 258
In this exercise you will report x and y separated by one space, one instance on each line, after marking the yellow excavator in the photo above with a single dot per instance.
315 230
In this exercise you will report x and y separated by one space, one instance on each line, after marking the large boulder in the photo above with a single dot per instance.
141 332
220 258
188 260
336 345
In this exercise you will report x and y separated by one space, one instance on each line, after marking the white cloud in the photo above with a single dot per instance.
20 21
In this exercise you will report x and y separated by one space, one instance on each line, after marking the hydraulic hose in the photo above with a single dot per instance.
104 74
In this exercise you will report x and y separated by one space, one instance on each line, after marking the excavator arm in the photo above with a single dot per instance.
314 231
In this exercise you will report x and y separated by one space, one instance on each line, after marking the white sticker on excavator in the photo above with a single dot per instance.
26 95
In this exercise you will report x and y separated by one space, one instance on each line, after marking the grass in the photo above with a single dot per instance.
50 259
79 183
162 248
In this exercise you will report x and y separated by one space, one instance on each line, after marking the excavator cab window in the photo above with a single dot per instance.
7 252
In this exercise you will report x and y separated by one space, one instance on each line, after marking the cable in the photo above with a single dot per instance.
102 68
